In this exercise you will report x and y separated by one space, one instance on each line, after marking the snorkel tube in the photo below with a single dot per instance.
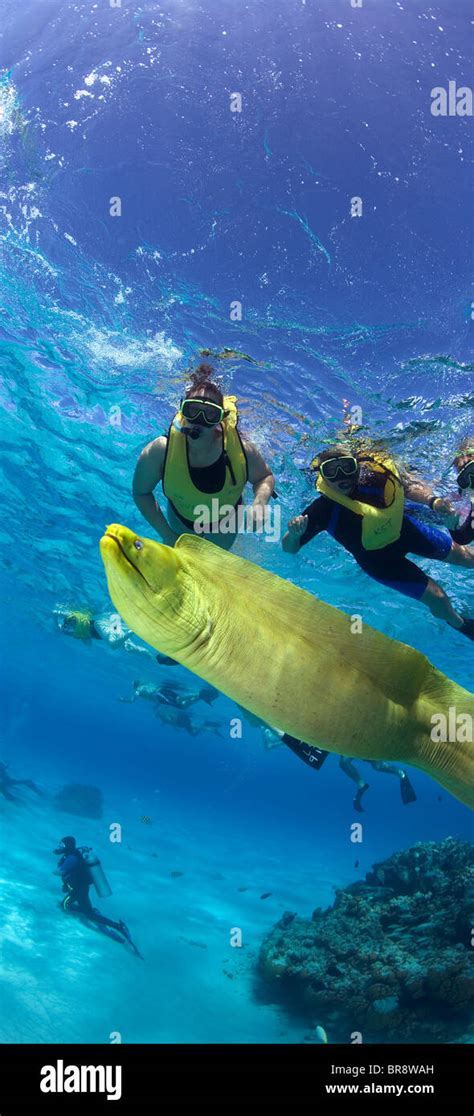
188 431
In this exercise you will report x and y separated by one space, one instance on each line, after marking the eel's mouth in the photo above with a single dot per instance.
108 535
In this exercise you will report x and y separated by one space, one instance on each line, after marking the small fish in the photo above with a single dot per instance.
145 819
266 894
321 1034
356 864
193 942
242 889
176 874
228 354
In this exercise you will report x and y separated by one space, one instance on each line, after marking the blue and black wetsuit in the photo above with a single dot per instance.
388 566
76 883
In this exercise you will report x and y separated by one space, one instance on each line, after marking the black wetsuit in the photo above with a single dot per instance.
7 782
389 566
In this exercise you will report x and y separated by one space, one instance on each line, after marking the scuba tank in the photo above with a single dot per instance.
96 873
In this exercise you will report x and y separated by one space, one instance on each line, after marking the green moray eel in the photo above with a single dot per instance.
289 658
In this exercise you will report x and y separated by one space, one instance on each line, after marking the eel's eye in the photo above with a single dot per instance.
138 544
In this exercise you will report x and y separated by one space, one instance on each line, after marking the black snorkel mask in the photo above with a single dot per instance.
202 413
466 478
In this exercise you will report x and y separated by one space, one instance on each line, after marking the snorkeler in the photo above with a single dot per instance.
420 492
77 879
361 504
171 694
180 718
464 466
110 629
229 354
204 465
7 782
315 757
275 738
348 767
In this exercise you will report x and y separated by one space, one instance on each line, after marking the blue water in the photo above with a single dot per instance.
100 318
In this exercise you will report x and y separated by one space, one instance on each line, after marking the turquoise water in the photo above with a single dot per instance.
100 318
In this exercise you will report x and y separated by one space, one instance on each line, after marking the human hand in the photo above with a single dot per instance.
444 508
297 526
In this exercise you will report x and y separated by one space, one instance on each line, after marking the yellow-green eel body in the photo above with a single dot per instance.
289 658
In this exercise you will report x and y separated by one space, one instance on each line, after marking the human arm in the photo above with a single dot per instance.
296 529
148 473
67 865
129 645
303 528
420 492
260 475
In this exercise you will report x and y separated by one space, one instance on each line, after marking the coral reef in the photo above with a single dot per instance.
391 958
78 798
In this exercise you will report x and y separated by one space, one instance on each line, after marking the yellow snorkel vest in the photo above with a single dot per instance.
83 624
380 526
178 486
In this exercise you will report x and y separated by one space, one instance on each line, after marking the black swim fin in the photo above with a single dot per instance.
357 803
406 791
126 933
208 694
314 757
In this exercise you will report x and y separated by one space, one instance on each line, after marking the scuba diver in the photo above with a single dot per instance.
78 871
361 504
110 629
171 694
204 465
7 782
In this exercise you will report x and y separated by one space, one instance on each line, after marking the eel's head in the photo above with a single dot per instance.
148 586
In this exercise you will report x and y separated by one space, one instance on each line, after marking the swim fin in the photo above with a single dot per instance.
209 694
358 798
314 757
126 933
406 791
